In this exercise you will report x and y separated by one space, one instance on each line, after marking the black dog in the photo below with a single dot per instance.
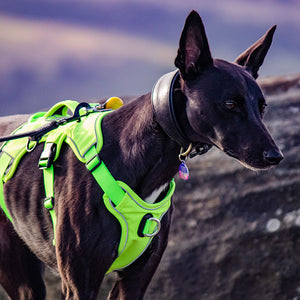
214 103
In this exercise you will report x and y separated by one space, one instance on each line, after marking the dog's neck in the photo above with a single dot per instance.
136 150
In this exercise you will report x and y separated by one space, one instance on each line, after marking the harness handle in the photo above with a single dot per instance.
62 108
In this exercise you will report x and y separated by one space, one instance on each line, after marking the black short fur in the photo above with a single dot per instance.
217 102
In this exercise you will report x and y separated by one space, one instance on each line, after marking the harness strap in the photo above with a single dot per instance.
103 177
46 164
49 200
5 160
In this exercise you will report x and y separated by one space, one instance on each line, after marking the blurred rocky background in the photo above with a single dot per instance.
235 233
52 50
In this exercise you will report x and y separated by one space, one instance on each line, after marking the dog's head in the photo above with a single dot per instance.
224 104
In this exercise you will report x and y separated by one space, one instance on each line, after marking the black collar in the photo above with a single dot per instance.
163 106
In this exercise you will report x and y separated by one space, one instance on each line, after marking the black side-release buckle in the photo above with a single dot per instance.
47 156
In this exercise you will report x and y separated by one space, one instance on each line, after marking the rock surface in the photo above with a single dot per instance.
235 232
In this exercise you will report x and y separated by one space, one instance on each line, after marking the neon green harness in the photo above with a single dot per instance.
139 220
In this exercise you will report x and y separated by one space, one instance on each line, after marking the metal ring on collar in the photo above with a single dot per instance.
182 154
157 221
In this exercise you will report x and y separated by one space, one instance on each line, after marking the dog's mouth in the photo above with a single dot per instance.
231 154
255 165
253 159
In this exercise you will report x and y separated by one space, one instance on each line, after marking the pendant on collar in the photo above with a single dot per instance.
183 169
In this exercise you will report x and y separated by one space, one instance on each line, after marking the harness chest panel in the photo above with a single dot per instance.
139 220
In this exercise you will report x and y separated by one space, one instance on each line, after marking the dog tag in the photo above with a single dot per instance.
183 171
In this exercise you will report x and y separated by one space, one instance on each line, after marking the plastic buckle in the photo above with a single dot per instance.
47 156
145 225
93 163
49 203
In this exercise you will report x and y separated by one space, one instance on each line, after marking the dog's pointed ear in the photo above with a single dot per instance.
254 56
193 55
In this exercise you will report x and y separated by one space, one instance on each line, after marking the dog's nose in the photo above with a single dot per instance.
273 157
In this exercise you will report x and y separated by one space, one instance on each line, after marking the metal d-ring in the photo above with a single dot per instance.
28 149
157 221
182 155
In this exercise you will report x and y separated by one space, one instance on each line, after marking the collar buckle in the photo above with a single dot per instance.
200 149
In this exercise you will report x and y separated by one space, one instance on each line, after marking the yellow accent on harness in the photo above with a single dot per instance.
113 103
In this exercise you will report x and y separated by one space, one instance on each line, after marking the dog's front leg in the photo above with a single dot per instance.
82 271
84 254
133 281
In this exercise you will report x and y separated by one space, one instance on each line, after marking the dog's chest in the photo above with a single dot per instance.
155 194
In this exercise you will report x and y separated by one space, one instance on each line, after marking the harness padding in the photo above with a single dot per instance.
139 220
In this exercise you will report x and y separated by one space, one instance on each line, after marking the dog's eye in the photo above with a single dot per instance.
230 104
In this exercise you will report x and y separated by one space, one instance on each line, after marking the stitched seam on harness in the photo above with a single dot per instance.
112 205
143 207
